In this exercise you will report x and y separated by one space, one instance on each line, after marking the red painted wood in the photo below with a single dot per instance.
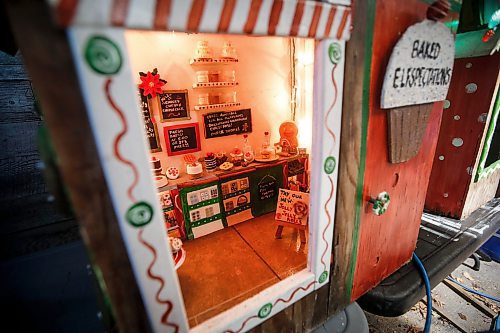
386 242
451 177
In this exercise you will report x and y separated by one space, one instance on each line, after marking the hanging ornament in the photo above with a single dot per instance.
438 10
488 34
492 25
151 83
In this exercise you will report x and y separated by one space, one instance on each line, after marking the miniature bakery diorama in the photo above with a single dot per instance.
215 146
228 121
217 130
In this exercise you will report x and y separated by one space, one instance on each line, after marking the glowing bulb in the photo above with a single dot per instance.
304 125
305 58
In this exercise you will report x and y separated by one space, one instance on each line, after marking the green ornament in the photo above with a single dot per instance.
323 277
335 52
330 164
265 310
103 55
139 214
381 203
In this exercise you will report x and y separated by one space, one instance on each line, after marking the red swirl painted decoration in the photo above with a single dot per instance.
242 325
330 153
118 138
292 295
117 153
152 276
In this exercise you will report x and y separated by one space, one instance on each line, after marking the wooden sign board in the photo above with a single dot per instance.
182 139
149 125
227 123
174 105
293 207
420 67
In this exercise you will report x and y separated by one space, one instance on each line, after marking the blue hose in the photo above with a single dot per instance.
423 273
474 291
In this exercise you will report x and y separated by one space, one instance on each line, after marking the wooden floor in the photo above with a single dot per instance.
224 268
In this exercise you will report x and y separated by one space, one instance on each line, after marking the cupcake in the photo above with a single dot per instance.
210 162
236 156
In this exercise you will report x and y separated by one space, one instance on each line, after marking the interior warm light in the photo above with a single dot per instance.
305 58
304 125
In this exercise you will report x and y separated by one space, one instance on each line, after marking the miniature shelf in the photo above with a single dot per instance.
214 85
212 61
215 106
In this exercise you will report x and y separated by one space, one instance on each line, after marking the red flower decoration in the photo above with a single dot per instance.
151 84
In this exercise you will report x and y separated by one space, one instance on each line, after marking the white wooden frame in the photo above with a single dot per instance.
109 92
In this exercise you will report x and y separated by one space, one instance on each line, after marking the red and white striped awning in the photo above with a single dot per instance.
251 17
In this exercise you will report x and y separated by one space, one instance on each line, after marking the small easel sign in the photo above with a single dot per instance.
292 211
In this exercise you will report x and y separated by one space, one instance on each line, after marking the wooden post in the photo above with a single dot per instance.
48 60
351 170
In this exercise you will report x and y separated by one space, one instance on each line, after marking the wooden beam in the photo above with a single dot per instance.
470 298
443 313
351 161
49 62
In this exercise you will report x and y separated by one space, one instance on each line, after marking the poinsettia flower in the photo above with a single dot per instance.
151 84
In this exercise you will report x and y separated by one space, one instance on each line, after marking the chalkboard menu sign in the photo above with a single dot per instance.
182 139
227 123
149 125
268 188
174 105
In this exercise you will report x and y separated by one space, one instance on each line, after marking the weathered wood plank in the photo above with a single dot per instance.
469 297
378 254
7 59
13 73
281 322
29 212
17 102
449 317
18 139
20 176
351 171
38 239
47 55
464 119
407 126
314 309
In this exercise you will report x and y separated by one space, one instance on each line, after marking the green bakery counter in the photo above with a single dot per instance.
193 208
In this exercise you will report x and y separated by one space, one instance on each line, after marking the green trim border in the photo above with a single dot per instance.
364 129
483 172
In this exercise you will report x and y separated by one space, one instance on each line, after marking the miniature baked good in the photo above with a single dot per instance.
265 155
172 173
220 158
156 165
226 166
236 156
161 181
194 170
175 244
210 162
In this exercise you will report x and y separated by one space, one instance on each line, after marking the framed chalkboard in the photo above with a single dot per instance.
182 139
173 105
227 123
149 125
